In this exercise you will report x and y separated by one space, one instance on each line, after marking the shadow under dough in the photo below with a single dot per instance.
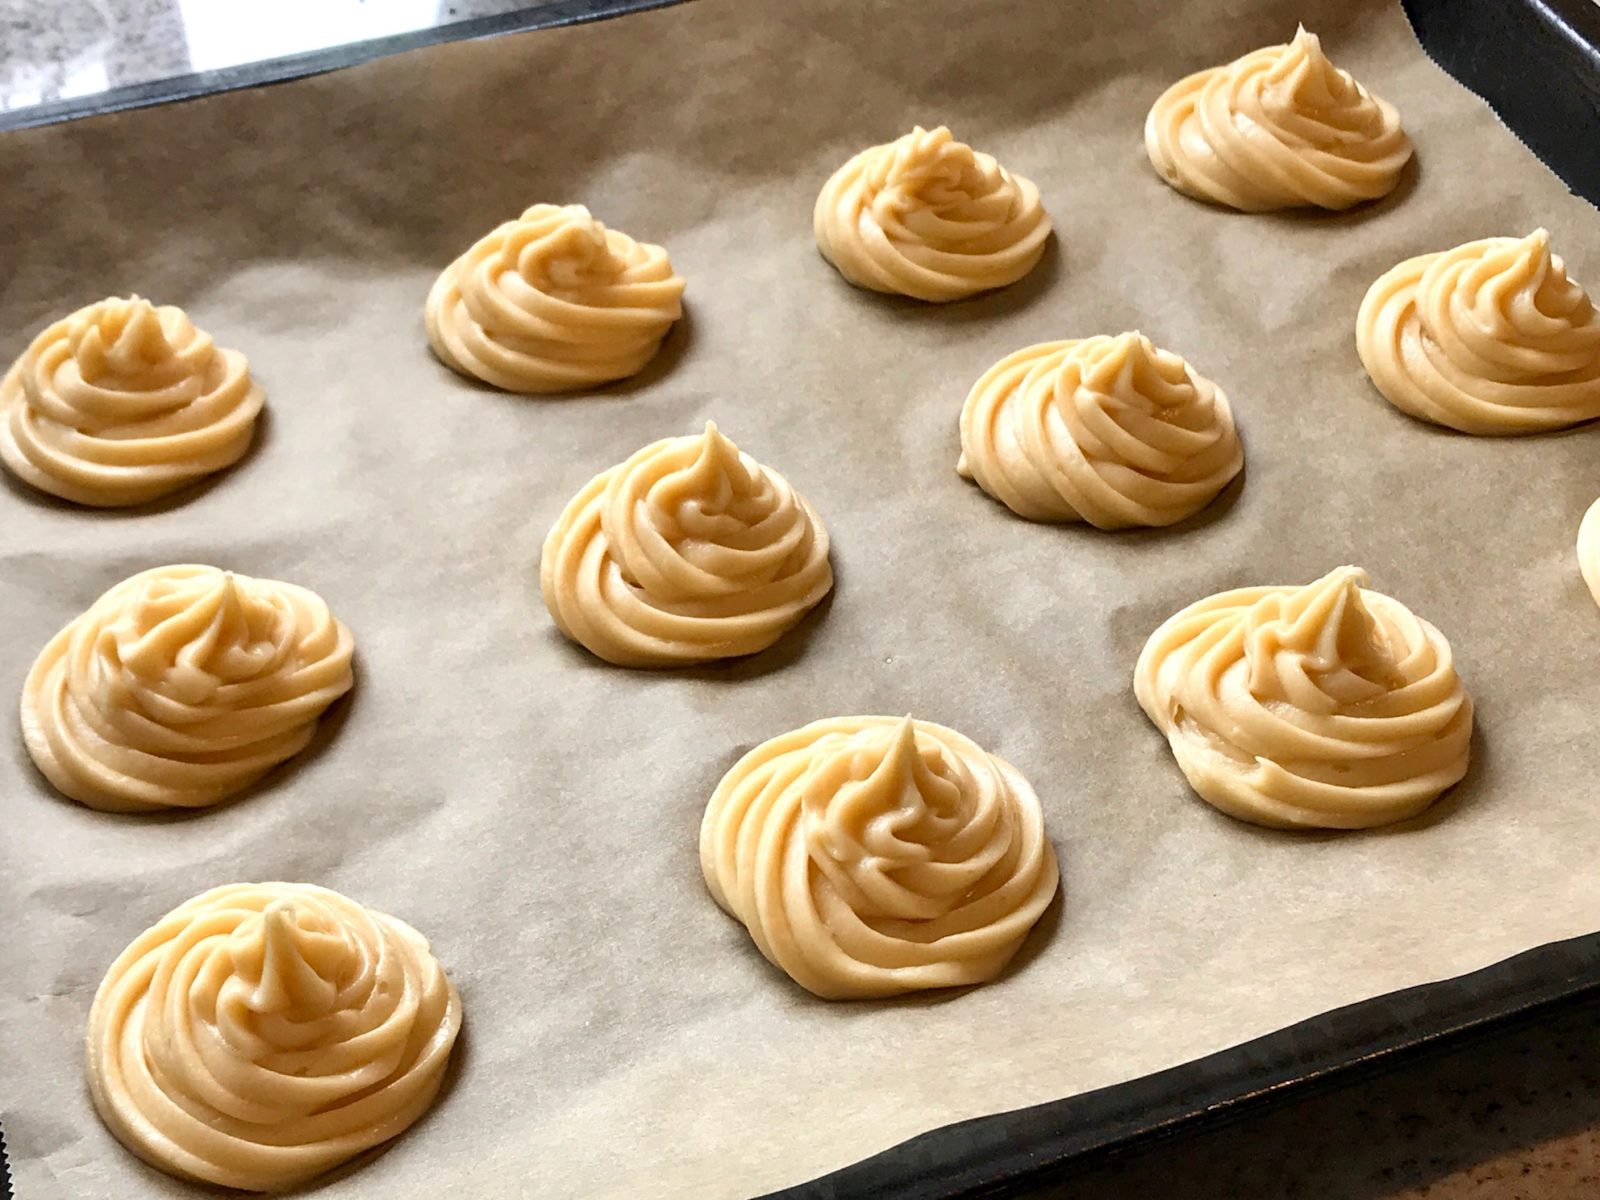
328 725
787 650
983 307
186 494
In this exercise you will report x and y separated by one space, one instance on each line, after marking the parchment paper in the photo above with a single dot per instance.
535 812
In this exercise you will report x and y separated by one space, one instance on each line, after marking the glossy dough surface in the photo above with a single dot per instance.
929 217
180 687
553 302
1108 430
1326 706
261 1034
689 551
1488 338
1589 549
1281 127
122 402
870 856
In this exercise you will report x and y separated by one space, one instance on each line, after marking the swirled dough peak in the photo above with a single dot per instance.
182 686
122 402
262 1034
1281 127
1488 338
1326 705
870 856
689 551
552 302
1589 549
929 217
1108 430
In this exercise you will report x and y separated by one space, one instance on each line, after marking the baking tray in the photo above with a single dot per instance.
1538 64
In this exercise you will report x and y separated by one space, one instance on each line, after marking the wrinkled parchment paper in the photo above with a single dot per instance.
535 812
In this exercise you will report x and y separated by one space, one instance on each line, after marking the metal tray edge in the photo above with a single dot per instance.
297 66
997 1155
1486 46
1536 63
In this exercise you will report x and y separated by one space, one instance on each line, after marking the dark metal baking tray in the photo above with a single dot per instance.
1537 64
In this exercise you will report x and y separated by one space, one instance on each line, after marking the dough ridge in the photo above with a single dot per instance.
1325 706
689 551
181 687
1109 430
261 1034
123 402
929 217
871 856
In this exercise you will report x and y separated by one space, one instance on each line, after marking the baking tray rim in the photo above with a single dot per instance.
993 1155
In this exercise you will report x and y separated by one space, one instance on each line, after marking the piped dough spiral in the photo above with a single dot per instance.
929 217
689 551
1488 338
1281 127
1108 430
1589 549
182 686
261 1034
870 856
122 402
553 302
1327 705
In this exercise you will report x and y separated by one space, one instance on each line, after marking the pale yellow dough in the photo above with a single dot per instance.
1326 706
1281 127
182 686
1108 430
264 1033
1488 338
689 551
553 302
929 217
1589 549
870 856
122 402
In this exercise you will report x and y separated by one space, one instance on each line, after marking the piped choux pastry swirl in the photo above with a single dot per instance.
181 687
264 1033
1108 430
1281 127
1325 706
1489 338
869 856
687 552
553 302
123 402
929 217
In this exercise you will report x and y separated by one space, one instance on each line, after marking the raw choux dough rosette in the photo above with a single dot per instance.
1108 430
929 217
870 856
1488 338
689 551
1325 706
1281 127
552 302
182 686
1589 549
122 402
263 1033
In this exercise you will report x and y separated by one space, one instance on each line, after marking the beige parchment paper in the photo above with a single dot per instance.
535 812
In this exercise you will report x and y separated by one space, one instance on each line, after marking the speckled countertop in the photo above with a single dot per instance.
1512 1116
62 49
